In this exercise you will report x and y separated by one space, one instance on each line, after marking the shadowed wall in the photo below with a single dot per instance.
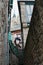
34 45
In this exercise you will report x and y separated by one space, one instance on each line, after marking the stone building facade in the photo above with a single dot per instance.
23 20
4 32
26 9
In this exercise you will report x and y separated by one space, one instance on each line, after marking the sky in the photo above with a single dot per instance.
14 9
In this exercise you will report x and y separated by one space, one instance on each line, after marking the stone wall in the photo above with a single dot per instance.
34 45
3 32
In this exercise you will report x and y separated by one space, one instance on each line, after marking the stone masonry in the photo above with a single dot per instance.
3 32
34 44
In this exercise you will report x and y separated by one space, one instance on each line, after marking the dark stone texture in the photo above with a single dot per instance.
34 46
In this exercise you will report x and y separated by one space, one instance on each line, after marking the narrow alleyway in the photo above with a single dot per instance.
21 32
